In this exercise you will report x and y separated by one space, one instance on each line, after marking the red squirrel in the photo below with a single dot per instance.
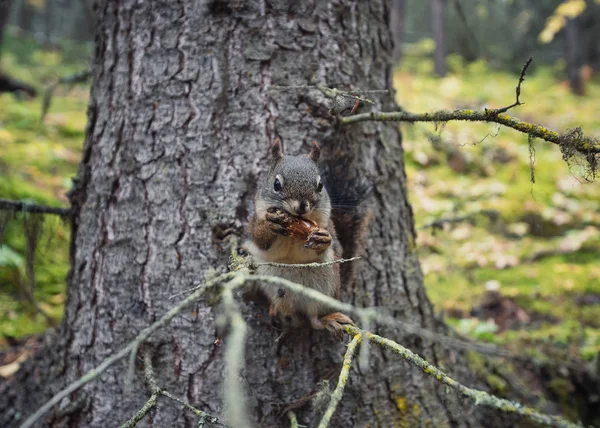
295 222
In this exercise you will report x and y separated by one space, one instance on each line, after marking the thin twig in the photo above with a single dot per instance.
131 368
376 315
29 207
293 420
154 389
440 222
149 405
337 394
480 397
234 356
517 90
202 416
208 284
305 265
358 91
79 77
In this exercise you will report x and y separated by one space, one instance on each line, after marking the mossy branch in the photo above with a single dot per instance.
293 420
345 105
581 143
32 208
156 391
375 314
337 394
235 355
480 397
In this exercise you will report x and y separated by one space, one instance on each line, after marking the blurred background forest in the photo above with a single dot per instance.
508 233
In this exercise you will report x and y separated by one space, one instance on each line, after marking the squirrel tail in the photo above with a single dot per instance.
351 213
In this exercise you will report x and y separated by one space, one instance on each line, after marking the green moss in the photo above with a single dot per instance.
37 161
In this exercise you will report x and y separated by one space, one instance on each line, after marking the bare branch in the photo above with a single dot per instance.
234 356
28 207
305 265
150 404
480 397
202 416
293 420
337 394
376 315
79 77
156 391
440 222
218 280
517 90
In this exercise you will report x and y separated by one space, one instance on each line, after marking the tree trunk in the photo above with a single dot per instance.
25 16
183 109
572 56
5 6
397 28
437 23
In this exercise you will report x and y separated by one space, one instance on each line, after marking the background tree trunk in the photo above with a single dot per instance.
437 24
572 56
5 6
397 28
181 115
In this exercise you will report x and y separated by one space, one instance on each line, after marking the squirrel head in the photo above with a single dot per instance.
294 185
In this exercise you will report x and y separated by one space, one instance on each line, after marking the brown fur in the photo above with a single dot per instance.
293 179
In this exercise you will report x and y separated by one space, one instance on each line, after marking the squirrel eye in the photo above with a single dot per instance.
277 185
319 186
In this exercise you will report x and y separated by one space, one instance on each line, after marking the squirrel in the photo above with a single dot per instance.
294 192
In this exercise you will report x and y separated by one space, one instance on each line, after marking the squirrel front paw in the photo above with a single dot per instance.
278 221
319 240
333 322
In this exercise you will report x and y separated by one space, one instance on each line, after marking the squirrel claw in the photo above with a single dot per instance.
334 323
278 221
278 229
319 240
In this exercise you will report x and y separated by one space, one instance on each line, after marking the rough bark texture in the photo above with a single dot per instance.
572 49
397 28
181 115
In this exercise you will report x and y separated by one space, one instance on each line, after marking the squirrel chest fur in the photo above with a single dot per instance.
290 200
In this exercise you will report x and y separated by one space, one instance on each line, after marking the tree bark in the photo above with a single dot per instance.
182 111
397 28
5 6
437 24
572 56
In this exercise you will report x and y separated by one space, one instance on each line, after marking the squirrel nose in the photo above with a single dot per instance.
304 207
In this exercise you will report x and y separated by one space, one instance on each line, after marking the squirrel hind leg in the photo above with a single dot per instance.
282 318
333 322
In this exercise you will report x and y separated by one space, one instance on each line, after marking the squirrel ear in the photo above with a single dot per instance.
276 150
315 152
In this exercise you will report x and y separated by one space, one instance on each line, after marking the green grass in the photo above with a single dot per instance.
559 214
37 161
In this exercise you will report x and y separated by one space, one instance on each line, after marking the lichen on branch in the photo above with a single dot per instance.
234 358
581 143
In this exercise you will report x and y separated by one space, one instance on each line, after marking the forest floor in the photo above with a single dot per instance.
509 261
